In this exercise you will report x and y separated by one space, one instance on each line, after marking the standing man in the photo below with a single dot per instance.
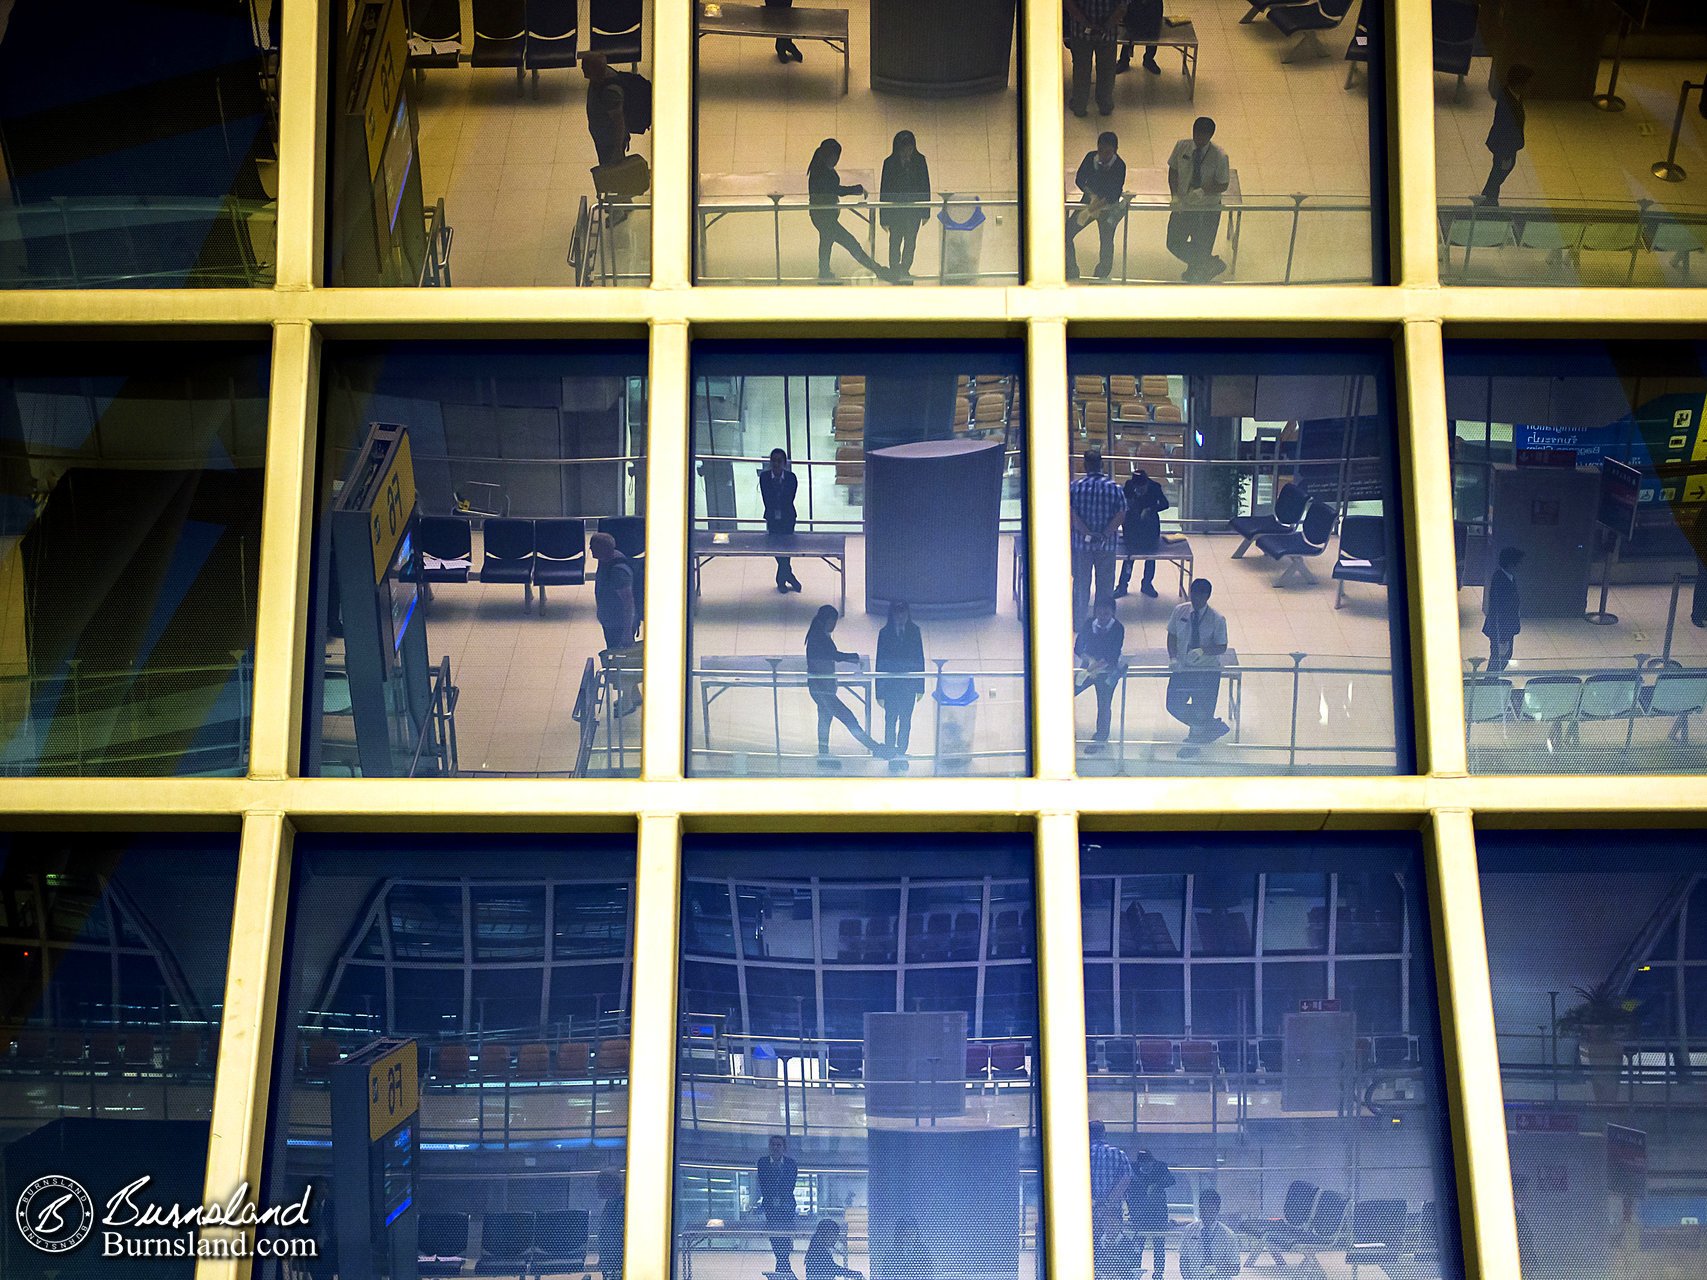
1142 531
1502 610
1147 1207
1111 1174
786 50
1198 173
613 592
1209 1250
1089 27
607 110
1098 651
1197 637
1143 22
1101 179
777 1174
1505 138
1097 506
777 487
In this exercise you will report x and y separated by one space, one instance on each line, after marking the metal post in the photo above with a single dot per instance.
1600 617
776 708
1669 170
1292 244
1553 1035
1297 676
1610 101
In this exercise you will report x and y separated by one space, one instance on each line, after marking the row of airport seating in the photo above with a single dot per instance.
1167 1055
1570 701
546 552
983 405
511 1244
986 1060
528 35
115 1051
1564 234
1297 529
1381 1233
1305 19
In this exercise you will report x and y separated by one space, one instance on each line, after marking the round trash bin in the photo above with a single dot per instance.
956 722
962 222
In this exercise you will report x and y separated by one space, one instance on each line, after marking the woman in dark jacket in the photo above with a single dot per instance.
1141 530
777 487
900 648
821 1261
824 193
906 178
821 659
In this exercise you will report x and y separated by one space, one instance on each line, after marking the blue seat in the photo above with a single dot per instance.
559 554
1289 505
1307 21
616 29
441 1242
500 35
447 548
507 546
552 35
435 33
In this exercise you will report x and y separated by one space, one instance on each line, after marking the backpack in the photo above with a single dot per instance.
636 100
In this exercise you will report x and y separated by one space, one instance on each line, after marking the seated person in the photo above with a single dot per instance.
1097 652
1208 1250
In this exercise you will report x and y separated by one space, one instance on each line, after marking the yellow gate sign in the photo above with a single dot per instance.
393 1090
391 505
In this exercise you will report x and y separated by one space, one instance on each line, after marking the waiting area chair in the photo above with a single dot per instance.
500 35
551 36
1362 554
1678 695
1295 549
447 548
1455 39
435 34
507 545
441 1244
559 1243
616 29
506 1244
1307 22
1289 506
559 554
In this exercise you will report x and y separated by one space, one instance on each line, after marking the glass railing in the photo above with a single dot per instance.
832 496
1285 713
752 714
612 243
1262 239
769 238
1570 242
1604 714
138 243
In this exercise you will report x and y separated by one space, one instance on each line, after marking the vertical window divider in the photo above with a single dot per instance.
1487 1216
281 605
1049 603
1431 555
648 1250
304 88
1042 92
673 58
665 657
1065 1092
243 1069
1410 143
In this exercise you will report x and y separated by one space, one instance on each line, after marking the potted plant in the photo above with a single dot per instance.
1601 1022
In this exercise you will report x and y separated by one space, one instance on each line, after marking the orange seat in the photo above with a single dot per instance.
574 1058
613 1056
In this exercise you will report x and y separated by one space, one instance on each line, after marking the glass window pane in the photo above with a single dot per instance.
1597 1038
1370 914
1295 914
504 1067
508 923
494 629
1372 990
1177 175
1223 905
708 922
858 925
1695 937
810 1076
1593 510
819 472
1010 928
1279 457
896 159
530 168
109 1084
1345 1117
591 920
151 162
1096 926
426 921
775 923
1543 176
133 490
1152 909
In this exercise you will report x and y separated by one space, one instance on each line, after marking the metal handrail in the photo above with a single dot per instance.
441 717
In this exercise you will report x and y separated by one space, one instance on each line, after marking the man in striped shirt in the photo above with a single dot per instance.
1111 1175
1098 507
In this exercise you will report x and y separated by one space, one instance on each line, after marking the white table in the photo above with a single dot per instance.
758 21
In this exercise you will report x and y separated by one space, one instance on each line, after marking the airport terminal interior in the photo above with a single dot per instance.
1305 685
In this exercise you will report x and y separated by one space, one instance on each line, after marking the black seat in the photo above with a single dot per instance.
630 535
552 35
1363 553
1305 543
442 1240
1454 39
500 35
616 29
447 548
506 1244
1307 21
559 554
1289 505
1119 1054
559 1242
1377 1232
507 546
435 33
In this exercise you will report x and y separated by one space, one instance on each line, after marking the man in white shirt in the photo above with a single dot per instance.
1208 1250
1198 173
1197 637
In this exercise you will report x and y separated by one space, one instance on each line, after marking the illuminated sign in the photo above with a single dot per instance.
393 1090
392 502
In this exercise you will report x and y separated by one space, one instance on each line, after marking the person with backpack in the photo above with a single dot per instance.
607 109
